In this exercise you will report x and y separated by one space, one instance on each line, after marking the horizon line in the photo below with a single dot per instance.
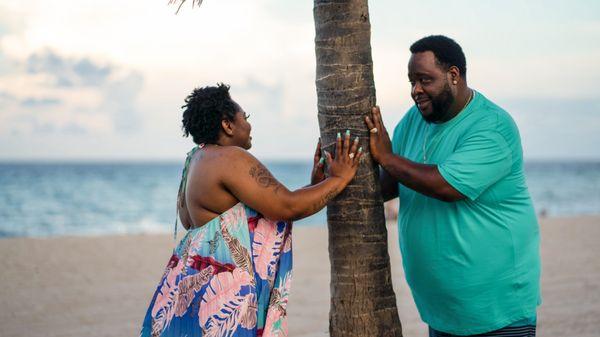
267 159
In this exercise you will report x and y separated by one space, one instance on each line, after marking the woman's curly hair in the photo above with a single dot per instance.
205 108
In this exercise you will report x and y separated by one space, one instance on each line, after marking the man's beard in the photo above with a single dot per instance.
440 106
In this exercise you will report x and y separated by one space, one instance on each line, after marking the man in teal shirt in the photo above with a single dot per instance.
468 232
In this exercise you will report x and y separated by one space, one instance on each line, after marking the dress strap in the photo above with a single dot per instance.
182 186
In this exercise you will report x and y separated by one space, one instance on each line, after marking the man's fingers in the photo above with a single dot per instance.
377 117
380 120
375 114
369 122
373 122
373 129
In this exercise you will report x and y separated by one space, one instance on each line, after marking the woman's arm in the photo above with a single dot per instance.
252 183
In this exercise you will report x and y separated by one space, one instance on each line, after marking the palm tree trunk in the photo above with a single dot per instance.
363 302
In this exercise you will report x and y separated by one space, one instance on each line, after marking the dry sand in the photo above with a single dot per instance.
101 286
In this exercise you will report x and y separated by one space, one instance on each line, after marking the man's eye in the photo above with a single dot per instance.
246 116
425 80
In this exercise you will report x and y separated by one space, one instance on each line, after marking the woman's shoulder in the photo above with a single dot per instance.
231 159
232 153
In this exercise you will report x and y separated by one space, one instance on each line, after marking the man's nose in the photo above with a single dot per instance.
416 89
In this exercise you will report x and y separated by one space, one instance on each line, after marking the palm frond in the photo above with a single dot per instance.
181 2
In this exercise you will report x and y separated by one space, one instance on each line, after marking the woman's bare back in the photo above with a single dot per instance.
205 194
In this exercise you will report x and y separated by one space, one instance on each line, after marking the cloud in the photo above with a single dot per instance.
283 115
35 102
68 72
73 129
260 95
119 100
7 66
6 97
53 93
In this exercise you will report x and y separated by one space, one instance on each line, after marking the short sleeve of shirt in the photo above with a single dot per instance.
478 162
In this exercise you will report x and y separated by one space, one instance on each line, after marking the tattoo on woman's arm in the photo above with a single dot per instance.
330 195
263 177
325 200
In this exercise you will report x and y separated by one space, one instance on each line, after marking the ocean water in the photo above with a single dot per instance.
54 199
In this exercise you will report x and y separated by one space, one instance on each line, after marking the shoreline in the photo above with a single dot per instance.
101 285
180 230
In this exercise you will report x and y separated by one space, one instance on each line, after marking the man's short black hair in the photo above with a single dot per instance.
205 108
447 52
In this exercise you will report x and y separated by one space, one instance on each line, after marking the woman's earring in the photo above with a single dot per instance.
455 82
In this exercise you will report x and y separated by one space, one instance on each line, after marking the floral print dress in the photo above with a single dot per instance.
230 277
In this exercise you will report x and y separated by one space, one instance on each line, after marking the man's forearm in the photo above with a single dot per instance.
423 178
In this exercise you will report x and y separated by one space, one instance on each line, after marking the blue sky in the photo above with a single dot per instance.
105 80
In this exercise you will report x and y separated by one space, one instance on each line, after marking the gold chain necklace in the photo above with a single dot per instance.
429 127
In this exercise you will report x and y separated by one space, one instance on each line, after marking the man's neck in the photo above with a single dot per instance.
463 98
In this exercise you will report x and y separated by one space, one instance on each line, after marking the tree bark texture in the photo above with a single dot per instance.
363 302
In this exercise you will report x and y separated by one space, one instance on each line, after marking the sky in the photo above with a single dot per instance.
105 80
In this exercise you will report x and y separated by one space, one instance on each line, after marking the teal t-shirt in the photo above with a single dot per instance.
473 265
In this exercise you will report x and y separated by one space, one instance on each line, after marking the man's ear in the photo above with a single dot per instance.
454 74
227 127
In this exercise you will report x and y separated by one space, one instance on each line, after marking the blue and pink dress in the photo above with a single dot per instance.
230 277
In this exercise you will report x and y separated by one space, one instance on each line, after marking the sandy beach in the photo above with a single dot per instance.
101 286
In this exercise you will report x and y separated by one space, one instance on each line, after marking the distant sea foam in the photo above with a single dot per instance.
55 199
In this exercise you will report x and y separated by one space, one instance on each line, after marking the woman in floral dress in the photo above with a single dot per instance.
230 275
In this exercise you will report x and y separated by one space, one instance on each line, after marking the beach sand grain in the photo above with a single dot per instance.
101 286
